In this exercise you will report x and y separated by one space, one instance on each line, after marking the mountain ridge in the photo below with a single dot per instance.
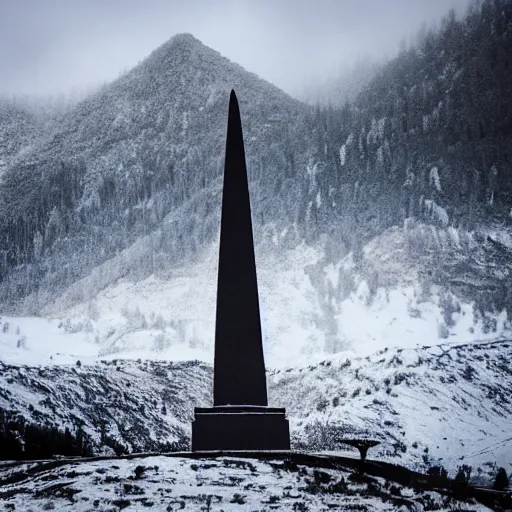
443 405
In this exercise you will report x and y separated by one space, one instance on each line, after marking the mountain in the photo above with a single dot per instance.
18 128
138 150
127 187
382 228
355 209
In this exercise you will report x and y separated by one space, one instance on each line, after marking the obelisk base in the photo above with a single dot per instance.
240 427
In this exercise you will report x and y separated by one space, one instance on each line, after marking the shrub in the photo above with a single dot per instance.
121 503
238 498
118 447
139 471
322 404
438 471
399 446
463 474
321 477
395 490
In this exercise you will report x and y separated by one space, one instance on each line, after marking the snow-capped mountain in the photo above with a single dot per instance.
381 229
357 212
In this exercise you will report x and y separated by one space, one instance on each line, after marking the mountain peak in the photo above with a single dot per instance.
184 41
185 37
180 47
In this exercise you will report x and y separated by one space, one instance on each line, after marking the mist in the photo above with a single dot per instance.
55 47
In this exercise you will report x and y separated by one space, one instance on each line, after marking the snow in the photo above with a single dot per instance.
216 483
434 178
437 212
32 341
424 398
343 154
318 199
307 311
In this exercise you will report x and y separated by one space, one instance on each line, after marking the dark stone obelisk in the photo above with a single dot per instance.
240 418
239 376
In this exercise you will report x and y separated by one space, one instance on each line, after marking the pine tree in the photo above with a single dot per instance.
463 474
438 471
502 482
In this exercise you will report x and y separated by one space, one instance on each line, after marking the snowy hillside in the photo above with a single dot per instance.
217 483
125 406
313 302
444 405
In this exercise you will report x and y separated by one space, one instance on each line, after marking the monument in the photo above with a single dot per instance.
240 418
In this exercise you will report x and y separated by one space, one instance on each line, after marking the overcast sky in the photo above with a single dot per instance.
53 46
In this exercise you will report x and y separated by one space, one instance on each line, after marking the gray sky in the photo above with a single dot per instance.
53 46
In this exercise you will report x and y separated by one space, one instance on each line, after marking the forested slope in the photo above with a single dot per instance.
128 184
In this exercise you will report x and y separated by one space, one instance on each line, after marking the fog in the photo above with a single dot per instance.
57 46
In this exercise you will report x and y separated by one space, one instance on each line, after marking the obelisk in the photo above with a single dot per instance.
240 418
239 369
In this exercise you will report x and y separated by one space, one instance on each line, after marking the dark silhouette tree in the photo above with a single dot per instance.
463 474
22 440
501 482
438 471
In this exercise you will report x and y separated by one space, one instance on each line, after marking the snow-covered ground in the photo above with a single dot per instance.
311 308
41 341
443 405
365 347
223 483
142 405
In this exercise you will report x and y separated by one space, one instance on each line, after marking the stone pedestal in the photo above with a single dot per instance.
240 427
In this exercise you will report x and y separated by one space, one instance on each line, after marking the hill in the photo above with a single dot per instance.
126 190
445 405
213 483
